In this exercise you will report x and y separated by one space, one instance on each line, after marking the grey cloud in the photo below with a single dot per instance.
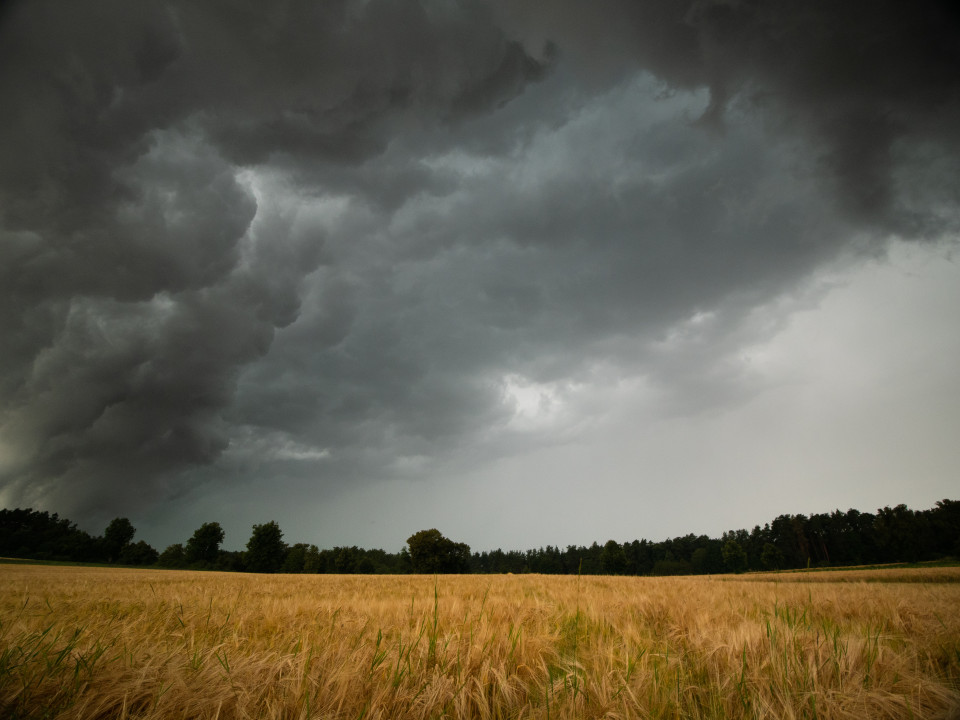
333 81
544 285
864 77
318 239
136 281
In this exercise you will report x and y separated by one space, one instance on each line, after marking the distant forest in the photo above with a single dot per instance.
891 535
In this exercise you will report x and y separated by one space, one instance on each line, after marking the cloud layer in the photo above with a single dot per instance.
317 246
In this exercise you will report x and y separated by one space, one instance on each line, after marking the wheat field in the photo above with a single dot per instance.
115 643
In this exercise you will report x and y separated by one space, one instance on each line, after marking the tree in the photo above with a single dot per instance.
116 537
41 536
771 557
708 559
613 559
897 533
345 560
173 557
266 550
671 566
139 553
431 552
295 559
311 560
945 521
204 547
734 556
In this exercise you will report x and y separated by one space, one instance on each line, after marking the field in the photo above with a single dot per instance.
111 643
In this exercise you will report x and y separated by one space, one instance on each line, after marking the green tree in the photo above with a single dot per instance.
613 559
116 537
898 534
431 552
311 561
295 559
266 550
734 556
345 559
945 521
708 559
204 547
173 557
138 553
39 535
771 557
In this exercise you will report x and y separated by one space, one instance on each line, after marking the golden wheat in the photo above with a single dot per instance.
105 643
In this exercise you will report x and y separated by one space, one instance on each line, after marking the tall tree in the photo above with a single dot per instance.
116 537
265 548
296 558
945 521
431 552
172 557
771 557
39 535
139 553
734 556
204 546
613 559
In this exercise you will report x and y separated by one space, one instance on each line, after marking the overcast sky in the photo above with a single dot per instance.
531 273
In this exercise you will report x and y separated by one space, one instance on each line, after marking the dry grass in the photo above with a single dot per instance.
893 574
102 643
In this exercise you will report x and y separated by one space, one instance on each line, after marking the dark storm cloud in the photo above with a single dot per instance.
333 232
134 284
860 77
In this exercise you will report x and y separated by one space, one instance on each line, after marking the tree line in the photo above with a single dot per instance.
896 534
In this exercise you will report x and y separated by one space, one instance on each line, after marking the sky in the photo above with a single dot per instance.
527 271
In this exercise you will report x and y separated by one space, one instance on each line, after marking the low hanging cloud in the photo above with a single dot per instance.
335 241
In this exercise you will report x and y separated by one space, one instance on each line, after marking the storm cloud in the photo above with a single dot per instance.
309 249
